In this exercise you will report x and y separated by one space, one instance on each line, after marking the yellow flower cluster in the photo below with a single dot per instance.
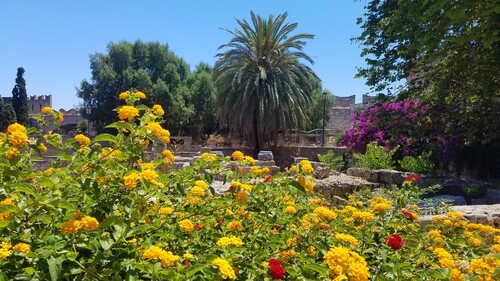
306 167
82 140
149 175
325 213
308 221
438 239
245 187
5 251
241 196
234 225
257 171
249 160
472 239
186 225
157 130
127 112
199 189
17 133
158 110
347 238
140 95
342 261
290 210
22 248
208 157
167 259
445 259
6 216
308 183
238 156
169 157
379 204
60 117
227 241
124 95
47 110
225 268
79 222
485 267
481 227
131 180
364 216
165 211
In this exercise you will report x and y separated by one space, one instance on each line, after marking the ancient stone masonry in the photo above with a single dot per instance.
36 103
342 110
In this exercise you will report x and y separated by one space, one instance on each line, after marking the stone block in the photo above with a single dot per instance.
265 156
297 160
218 153
321 170
493 196
265 163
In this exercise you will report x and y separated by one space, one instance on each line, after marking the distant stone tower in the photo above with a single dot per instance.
343 109
36 103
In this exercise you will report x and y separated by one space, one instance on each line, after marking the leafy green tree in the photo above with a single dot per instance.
203 99
20 98
449 53
263 86
149 67
7 115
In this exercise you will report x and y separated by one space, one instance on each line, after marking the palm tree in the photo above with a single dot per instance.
262 84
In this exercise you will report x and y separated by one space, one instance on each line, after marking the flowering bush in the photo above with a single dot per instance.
390 124
118 213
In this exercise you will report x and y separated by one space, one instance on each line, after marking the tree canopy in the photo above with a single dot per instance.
152 68
7 115
263 84
448 51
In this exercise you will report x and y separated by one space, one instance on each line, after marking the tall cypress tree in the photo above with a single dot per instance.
20 98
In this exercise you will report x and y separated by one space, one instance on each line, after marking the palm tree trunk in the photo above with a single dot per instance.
256 130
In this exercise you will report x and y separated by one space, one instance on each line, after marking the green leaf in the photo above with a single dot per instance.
106 244
113 220
104 137
194 269
55 266
29 270
46 182
319 269
441 273
25 188
7 208
297 186
120 125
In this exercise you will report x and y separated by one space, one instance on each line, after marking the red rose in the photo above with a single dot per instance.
232 188
276 271
199 226
413 178
324 226
186 264
395 241
409 214
267 178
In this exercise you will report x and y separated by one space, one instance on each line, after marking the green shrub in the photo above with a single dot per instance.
420 164
335 163
474 191
375 157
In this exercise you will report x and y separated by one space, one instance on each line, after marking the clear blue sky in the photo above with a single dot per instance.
52 39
